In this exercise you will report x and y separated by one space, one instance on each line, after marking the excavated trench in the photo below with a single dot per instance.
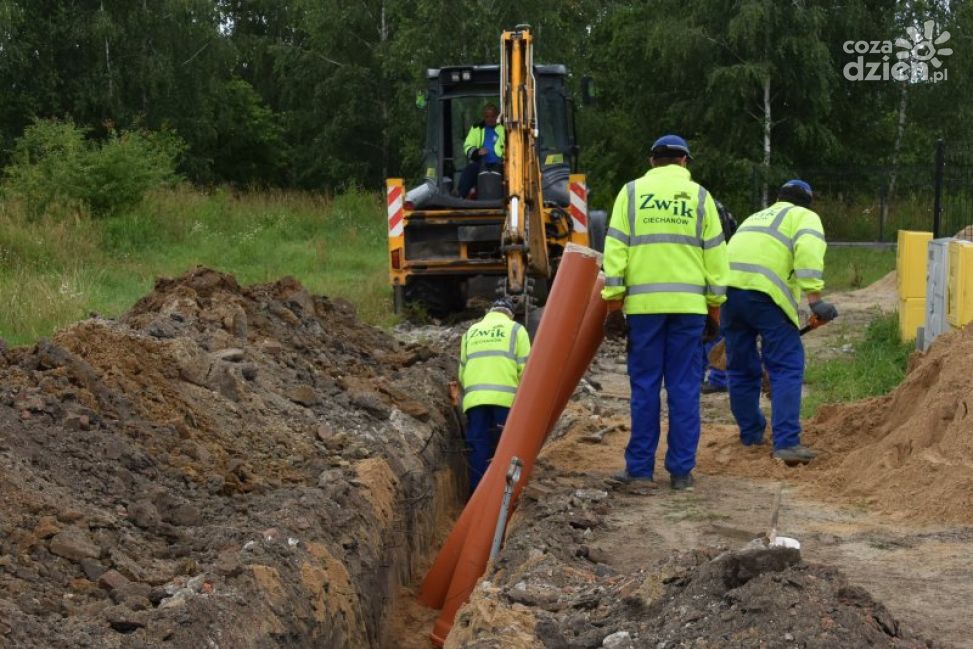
222 466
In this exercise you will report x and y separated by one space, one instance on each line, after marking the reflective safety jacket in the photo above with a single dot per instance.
664 251
476 136
779 251
492 357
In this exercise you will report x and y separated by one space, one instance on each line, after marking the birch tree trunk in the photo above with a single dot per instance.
111 86
896 150
768 126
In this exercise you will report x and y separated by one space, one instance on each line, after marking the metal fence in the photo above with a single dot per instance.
858 202
953 202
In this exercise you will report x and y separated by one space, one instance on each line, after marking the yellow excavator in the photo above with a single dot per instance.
508 237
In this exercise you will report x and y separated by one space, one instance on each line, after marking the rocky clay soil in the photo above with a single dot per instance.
884 516
223 466
229 466
556 586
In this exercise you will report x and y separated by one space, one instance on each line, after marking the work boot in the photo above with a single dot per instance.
709 388
796 454
625 477
681 482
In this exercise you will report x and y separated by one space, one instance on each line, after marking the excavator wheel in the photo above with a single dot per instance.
438 297
533 321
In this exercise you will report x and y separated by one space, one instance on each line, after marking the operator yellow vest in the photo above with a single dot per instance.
474 139
665 252
493 354
779 251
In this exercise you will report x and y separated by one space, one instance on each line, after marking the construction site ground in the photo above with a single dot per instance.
229 466
588 560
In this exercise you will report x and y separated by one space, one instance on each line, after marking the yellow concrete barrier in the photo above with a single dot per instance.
959 287
910 263
912 315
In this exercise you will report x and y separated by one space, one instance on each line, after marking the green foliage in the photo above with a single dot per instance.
55 271
55 168
847 269
47 166
118 173
877 365
320 93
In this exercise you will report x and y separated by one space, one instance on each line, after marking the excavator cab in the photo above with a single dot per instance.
454 101
508 237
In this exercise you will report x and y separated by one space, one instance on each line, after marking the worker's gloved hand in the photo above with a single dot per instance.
712 329
615 325
824 310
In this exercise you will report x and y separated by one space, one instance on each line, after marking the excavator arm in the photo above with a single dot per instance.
524 239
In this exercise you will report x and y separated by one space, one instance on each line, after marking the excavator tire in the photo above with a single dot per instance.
533 322
438 297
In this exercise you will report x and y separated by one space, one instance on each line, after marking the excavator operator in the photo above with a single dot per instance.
484 147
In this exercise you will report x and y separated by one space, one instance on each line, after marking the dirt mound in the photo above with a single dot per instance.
553 588
911 451
222 466
908 454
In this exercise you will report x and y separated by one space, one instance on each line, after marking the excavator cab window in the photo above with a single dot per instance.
455 97
466 112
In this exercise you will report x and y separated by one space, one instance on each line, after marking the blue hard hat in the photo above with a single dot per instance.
671 143
797 183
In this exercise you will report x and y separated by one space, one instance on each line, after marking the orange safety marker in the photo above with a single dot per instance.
464 556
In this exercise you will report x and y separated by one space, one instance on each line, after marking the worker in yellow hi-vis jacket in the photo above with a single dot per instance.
493 354
775 255
665 266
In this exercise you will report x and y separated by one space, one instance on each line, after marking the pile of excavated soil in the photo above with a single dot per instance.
911 451
223 466
552 587
908 454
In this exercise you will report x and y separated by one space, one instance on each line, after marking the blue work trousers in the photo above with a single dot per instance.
745 316
664 347
484 425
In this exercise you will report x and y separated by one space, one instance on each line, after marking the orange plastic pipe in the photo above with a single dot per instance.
585 347
468 547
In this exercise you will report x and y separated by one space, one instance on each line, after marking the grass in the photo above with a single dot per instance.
876 367
55 271
847 269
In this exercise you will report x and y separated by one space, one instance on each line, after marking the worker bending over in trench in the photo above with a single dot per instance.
775 255
665 267
492 357
484 146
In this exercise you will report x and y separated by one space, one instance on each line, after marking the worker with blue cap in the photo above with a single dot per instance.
775 255
493 354
665 269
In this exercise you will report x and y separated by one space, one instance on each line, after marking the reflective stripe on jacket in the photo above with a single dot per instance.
474 140
493 354
664 251
779 251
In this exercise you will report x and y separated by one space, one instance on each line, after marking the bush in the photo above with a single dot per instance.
56 168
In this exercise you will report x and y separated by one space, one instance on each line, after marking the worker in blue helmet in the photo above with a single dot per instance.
665 269
776 255
493 354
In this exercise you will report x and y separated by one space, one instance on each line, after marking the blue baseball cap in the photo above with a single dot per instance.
668 143
797 183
